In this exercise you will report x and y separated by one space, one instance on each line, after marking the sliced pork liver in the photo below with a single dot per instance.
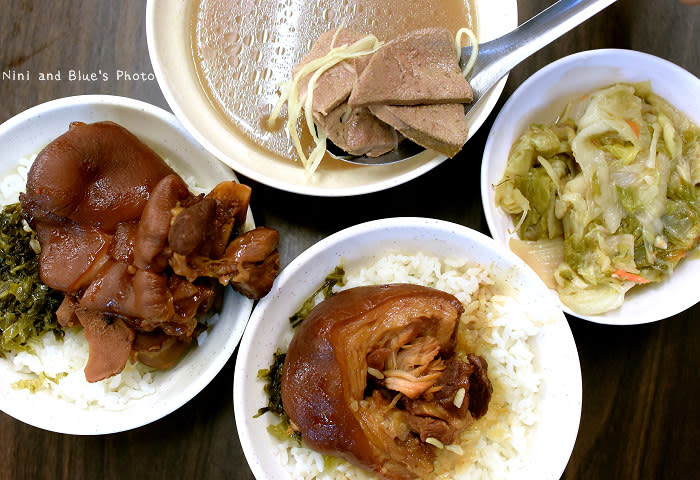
110 344
333 86
359 132
442 128
417 68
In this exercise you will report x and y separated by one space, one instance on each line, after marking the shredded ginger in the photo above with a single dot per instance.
290 94
475 49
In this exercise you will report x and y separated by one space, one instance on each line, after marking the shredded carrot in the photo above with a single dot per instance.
584 97
635 127
630 277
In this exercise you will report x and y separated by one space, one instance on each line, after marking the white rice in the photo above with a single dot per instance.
60 365
494 326
13 183
56 367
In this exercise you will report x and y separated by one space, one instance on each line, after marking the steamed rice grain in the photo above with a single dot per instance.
13 183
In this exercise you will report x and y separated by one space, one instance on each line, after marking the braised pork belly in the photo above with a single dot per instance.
137 255
372 376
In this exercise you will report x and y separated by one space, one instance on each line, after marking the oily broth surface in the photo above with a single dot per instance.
244 49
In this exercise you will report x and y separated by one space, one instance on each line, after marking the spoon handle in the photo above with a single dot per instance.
497 57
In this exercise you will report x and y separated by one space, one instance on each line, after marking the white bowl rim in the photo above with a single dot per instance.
129 422
501 118
311 190
92 99
568 439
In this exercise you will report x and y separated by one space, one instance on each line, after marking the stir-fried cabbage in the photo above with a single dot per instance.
617 178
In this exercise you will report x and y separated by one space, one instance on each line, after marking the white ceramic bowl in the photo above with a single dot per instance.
168 31
28 133
560 395
541 99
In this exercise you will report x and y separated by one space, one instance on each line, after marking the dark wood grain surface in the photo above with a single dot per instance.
641 392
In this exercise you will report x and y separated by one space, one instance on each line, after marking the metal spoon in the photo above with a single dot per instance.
497 58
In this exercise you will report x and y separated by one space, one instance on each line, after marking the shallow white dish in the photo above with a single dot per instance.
268 329
168 26
541 99
28 133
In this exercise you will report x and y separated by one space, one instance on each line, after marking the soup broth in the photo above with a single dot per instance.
245 49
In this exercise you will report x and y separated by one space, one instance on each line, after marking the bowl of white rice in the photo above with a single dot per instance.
512 320
64 401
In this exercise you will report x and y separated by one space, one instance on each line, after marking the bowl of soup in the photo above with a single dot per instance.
220 64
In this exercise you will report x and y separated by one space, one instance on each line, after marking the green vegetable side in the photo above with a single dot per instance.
336 277
27 306
606 198
273 375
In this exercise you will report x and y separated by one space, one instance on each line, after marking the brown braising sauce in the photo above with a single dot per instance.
244 49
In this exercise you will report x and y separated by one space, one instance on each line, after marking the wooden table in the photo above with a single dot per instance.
640 414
